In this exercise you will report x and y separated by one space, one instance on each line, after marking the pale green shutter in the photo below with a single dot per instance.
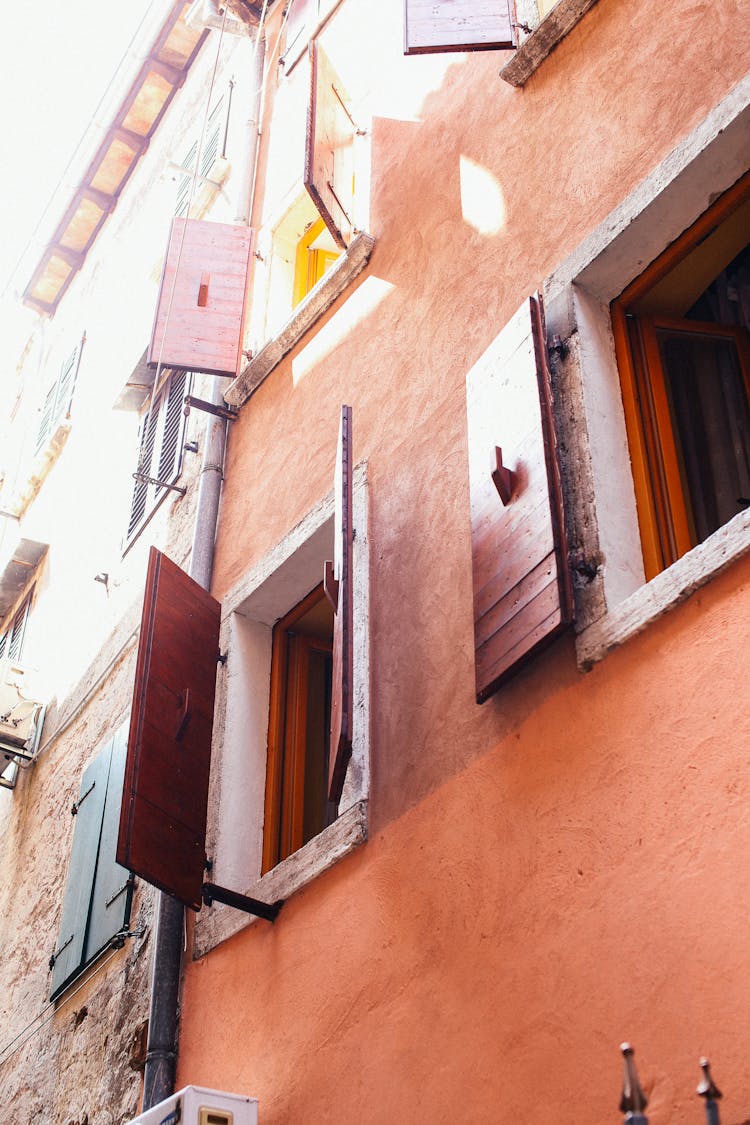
113 885
71 943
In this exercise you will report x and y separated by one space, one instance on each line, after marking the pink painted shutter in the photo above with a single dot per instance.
329 151
165 794
337 580
200 313
457 25
522 588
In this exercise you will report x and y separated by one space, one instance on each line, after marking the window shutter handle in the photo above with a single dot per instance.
183 702
503 478
330 586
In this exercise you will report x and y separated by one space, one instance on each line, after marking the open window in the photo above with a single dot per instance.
682 332
296 805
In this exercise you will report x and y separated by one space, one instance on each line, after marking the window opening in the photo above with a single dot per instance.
682 334
316 253
296 805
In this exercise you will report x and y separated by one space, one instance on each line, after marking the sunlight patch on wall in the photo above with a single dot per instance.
359 305
482 200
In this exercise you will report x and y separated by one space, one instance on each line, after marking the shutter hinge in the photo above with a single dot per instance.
221 657
58 951
129 882
558 347
77 804
586 568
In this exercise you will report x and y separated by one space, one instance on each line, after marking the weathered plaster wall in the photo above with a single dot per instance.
81 1061
557 870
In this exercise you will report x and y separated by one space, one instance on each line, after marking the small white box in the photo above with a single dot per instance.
196 1105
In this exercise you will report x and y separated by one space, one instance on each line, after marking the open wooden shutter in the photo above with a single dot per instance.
59 398
522 588
337 582
165 794
200 314
457 25
329 153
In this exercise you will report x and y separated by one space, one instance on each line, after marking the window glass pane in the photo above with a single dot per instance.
711 419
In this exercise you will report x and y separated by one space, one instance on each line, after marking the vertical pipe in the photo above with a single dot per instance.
161 1051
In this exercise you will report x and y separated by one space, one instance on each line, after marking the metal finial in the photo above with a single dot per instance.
633 1099
707 1087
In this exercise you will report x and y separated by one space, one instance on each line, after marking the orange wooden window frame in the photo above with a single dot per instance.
663 516
283 827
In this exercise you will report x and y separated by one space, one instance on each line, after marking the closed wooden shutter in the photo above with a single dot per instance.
98 892
200 313
337 579
113 885
329 155
17 630
165 798
522 588
59 397
457 25
71 944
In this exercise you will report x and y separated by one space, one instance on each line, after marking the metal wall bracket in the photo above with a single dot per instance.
146 479
225 412
267 910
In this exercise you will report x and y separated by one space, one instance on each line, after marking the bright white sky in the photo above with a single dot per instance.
56 61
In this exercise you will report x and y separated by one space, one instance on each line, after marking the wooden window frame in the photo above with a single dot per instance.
663 516
283 823
311 265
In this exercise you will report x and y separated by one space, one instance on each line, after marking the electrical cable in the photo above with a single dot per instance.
6 1052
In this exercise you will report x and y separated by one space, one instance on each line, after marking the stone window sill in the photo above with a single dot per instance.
543 40
316 303
339 839
665 591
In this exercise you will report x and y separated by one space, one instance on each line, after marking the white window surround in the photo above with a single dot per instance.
238 776
544 37
617 604
316 303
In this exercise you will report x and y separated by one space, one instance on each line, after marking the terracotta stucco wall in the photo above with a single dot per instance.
563 867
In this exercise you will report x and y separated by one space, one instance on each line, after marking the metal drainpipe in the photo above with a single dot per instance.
161 1051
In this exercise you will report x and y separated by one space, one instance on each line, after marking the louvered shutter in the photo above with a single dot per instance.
337 579
200 313
165 796
522 589
172 425
59 398
71 945
457 25
18 629
113 885
329 150
139 503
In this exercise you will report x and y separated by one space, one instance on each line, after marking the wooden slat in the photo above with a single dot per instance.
522 588
202 337
343 622
457 25
329 149
165 799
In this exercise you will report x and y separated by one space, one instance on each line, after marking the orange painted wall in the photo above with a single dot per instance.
563 867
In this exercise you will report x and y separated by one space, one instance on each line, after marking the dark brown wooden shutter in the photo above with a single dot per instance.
522 588
457 25
337 581
165 795
200 314
329 155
